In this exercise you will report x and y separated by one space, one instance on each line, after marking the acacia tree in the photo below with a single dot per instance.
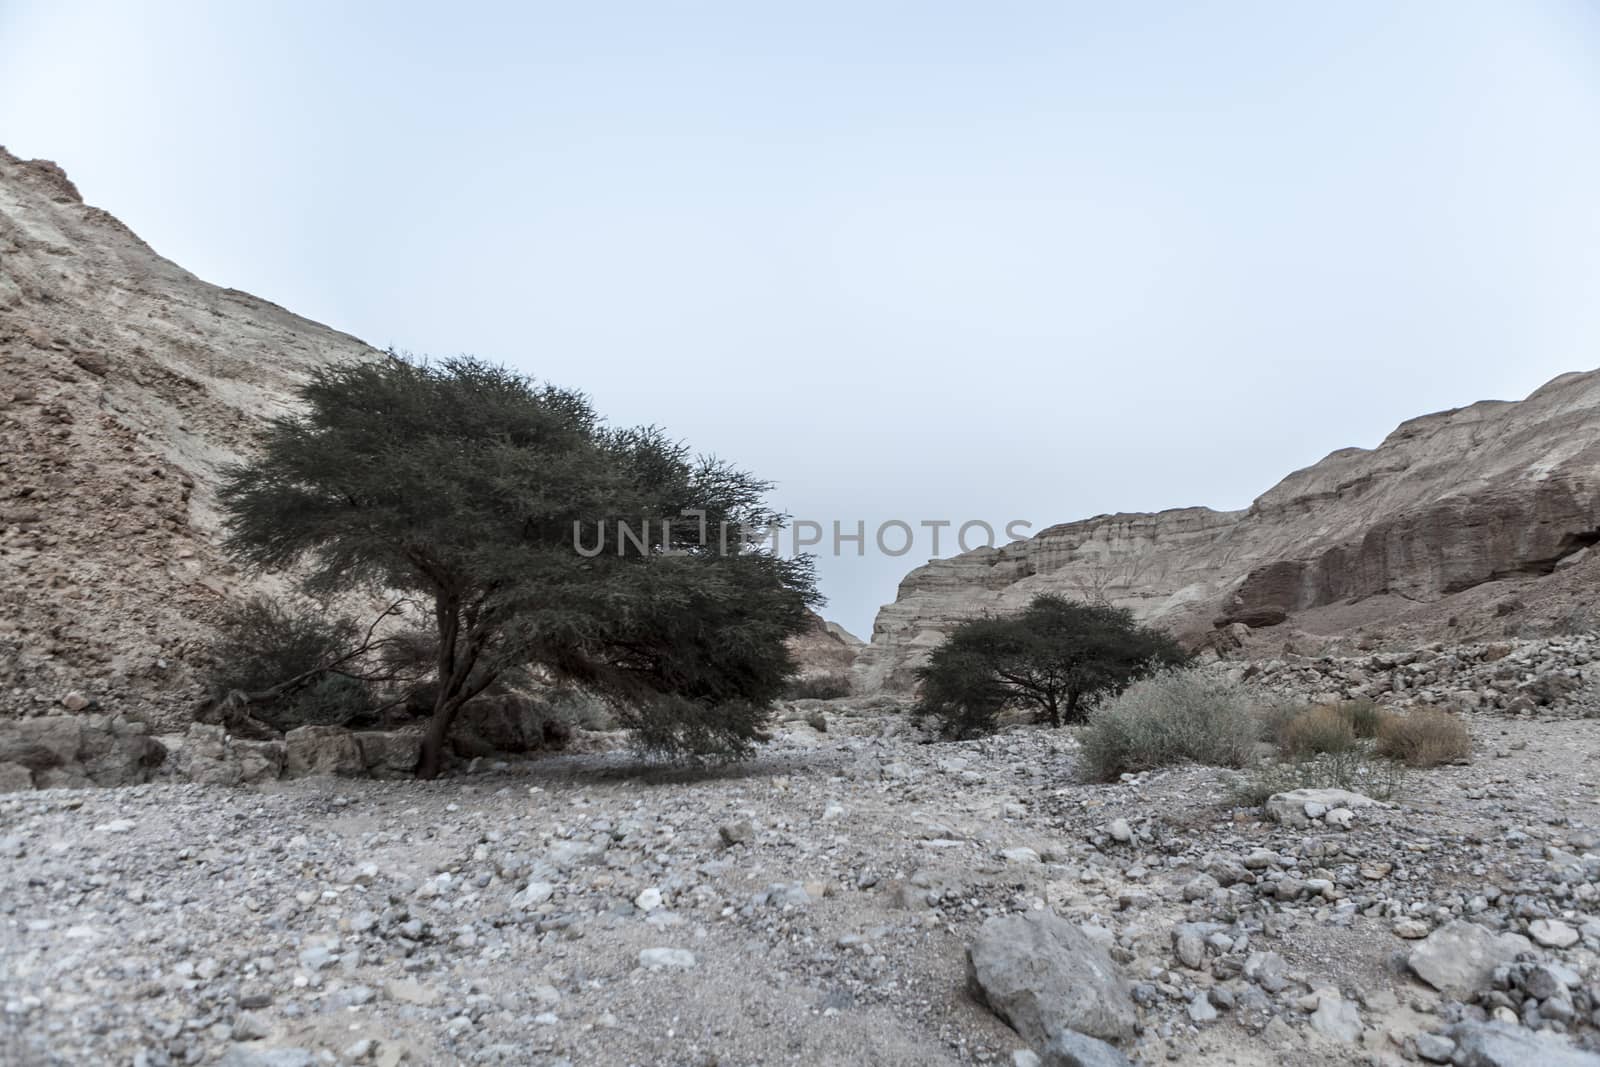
470 486
1048 658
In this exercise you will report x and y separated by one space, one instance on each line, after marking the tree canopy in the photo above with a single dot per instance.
474 488
1048 658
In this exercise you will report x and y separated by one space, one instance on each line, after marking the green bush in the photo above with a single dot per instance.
261 643
1049 659
679 729
1172 716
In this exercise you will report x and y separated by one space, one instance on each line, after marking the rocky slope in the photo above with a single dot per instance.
127 384
1462 524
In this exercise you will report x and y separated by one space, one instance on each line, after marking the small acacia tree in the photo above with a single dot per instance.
468 486
1047 658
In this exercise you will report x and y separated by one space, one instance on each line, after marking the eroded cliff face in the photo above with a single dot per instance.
126 383
1411 539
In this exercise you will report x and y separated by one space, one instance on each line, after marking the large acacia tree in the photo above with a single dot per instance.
1048 658
471 487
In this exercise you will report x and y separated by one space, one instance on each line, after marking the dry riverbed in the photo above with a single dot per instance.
812 907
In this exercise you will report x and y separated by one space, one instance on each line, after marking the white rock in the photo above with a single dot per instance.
657 959
1552 933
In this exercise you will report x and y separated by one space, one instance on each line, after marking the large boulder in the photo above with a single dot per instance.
74 751
1503 1045
390 754
1044 976
14 777
40 744
322 750
118 751
1459 959
208 755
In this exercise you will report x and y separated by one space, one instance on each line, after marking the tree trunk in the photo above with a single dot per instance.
431 759
447 613
1052 712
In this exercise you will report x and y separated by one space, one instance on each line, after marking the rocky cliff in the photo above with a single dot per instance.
125 384
1466 523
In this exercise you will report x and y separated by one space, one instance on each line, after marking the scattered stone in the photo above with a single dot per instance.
1552 933
657 959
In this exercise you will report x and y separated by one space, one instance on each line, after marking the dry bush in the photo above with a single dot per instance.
1315 731
1364 716
1171 716
1426 737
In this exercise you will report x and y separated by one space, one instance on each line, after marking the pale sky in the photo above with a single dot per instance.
910 260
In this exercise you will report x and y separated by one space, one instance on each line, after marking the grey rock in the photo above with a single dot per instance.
1503 1045
322 750
1435 1048
659 959
1294 808
246 1056
1458 959
1044 976
1337 1018
15 778
1553 933
1070 1049
1201 1010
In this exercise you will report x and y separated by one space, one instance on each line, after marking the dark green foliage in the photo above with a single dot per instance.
466 484
1047 658
261 643
818 687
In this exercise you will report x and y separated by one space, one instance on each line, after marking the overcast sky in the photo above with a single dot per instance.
911 261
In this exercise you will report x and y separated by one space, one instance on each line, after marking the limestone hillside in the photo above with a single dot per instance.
126 384
1461 525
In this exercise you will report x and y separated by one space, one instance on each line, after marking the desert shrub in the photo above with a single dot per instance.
1425 737
1317 730
819 687
261 643
1364 716
1275 716
1356 768
583 710
1171 716
690 731
1050 659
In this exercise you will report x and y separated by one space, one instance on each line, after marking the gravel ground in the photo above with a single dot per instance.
811 907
